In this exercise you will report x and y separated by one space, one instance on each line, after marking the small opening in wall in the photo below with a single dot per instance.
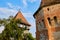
49 20
43 23
43 20
55 19
39 22
48 9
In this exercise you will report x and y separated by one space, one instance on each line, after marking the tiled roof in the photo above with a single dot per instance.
23 20
49 2
45 3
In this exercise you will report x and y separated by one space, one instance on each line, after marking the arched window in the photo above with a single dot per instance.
49 20
55 19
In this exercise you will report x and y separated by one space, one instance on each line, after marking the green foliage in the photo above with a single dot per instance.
28 37
13 31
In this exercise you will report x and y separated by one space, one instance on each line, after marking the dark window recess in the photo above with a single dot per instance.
48 9
49 20
42 20
43 23
55 19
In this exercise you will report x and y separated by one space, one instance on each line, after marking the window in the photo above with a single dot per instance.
49 20
55 19
48 9
41 25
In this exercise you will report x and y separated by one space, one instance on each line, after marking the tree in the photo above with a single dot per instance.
28 37
12 31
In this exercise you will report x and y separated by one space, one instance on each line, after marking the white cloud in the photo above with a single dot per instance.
7 12
29 16
25 2
10 5
33 1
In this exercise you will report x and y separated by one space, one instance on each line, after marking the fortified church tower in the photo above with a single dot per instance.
47 19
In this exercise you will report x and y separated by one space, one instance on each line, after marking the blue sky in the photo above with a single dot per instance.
27 7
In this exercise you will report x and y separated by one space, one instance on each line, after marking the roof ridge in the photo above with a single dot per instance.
48 2
24 21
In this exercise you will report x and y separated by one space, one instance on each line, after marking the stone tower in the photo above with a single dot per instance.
48 20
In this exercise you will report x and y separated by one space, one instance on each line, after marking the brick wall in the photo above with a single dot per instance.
45 13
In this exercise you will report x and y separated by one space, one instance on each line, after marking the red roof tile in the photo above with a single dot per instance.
20 16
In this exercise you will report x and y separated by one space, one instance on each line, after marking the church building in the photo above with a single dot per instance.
47 19
23 23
